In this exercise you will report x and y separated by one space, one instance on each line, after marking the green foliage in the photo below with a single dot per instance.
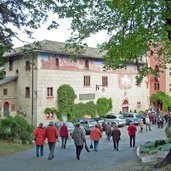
53 110
16 129
155 146
159 143
90 109
66 97
81 109
163 98
133 26
104 105
26 14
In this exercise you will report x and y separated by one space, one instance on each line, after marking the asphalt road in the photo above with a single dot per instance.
106 159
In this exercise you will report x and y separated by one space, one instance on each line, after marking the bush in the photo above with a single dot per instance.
104 105
155 146
16 129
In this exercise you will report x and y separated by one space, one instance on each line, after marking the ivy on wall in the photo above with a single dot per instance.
66 97
104 105
66 105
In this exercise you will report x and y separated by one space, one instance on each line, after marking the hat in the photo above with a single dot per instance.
51 123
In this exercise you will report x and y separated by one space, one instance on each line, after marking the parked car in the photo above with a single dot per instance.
115 119
70 126
132 117
87 124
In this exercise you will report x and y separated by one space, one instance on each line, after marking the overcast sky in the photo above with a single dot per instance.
60 35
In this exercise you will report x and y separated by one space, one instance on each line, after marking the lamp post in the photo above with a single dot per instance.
32 99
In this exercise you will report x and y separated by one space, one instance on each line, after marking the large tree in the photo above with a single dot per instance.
22 15
134 27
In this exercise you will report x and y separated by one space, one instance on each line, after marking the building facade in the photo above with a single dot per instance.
35 80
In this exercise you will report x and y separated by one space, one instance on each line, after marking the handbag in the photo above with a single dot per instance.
91 145
86 147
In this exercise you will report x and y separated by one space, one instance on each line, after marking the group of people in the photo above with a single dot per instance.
52 134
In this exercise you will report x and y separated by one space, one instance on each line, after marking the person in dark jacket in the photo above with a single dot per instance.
132 132
39 133
116 133
79 139
51 134
64 134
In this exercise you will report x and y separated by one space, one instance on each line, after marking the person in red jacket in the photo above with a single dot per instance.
95 135
39 133
132 132
64 134
51 134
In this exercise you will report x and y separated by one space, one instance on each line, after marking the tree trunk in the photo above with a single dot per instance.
164 162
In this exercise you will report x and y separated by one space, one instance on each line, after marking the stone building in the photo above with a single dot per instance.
32 81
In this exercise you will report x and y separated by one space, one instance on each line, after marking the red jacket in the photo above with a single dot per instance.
95 134
132 129
51 133
64 131
40 135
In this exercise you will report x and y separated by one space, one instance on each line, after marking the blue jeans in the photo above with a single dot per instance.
96 144
37 150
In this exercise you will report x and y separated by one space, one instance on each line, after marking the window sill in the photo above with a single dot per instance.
50 97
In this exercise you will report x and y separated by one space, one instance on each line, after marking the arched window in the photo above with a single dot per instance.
6 109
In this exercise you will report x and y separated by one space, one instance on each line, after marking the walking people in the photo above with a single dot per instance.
95 135
116 133
141 126
39 133
148 124
108 131
64 135
79 139
132 133
52 135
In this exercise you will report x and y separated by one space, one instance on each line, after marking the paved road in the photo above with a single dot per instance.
106 159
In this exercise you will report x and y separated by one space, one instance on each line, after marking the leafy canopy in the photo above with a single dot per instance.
134 26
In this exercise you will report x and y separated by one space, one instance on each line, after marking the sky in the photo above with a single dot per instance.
60 35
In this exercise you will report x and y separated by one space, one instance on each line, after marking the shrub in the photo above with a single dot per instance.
16 129
66 97
104 105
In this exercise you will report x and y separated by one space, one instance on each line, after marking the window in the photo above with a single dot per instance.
27 92
86 64
49 91
5 91
57 62
104 81
27 65
10 64
86 80
156 86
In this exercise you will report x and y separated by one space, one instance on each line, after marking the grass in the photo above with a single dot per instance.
7 147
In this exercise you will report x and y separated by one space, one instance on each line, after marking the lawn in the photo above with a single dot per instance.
7 147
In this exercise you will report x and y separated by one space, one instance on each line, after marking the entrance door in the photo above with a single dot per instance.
125 109
6 109
125 106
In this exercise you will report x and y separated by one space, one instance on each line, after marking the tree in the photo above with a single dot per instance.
134 27
163 98
22 14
